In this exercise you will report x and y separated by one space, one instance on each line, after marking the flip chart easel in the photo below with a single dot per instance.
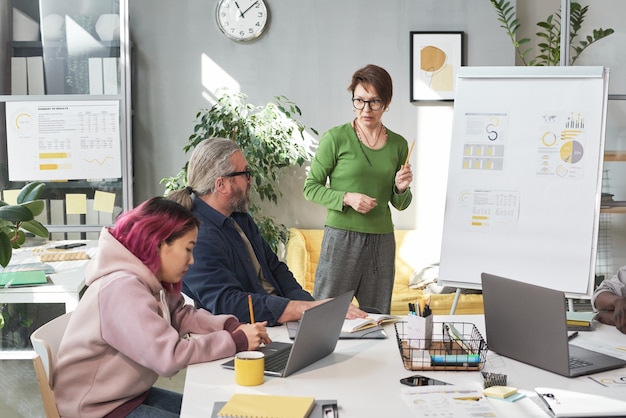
524 180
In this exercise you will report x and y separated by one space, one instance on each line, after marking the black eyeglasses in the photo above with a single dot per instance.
247 173
375 104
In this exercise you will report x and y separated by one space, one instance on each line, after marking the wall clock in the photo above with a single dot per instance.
241 20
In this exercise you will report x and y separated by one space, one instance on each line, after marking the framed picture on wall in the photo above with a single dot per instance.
435 60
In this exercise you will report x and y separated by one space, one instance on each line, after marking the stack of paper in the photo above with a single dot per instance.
447 401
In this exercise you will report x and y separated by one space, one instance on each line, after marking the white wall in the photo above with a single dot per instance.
308 53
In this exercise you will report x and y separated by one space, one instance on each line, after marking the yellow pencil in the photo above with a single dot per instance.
251 310
409 154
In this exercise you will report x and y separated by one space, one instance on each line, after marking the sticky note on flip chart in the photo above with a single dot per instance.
75 204
10 196
103 201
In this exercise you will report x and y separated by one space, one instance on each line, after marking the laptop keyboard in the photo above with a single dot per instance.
277 361
575 363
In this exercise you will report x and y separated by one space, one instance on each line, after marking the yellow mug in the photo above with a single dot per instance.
249 366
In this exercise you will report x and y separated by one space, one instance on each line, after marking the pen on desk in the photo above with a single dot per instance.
250 308
572 335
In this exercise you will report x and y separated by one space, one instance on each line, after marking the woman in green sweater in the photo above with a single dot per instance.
366 167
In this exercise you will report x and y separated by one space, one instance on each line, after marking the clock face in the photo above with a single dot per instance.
241 20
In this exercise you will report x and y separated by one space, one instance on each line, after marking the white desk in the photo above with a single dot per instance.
68 281
363 376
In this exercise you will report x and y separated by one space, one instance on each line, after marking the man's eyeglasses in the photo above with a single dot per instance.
375 104
247 173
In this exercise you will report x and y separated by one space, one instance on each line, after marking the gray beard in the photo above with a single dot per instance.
240 202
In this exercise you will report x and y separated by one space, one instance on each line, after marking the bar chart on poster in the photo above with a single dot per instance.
524 180
65 140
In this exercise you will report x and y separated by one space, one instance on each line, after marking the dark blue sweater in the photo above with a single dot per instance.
223 275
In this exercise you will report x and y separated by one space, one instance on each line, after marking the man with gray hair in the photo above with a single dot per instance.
231 258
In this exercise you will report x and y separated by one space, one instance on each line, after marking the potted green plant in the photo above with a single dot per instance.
272 139
16 219
549 34
16 320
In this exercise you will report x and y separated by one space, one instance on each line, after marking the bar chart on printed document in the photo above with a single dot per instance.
63 140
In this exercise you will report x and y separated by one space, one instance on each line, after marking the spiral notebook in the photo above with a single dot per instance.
321 408
244 405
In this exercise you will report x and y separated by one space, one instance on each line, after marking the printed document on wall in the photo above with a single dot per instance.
63 140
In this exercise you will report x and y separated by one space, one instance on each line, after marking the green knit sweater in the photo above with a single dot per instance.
341 159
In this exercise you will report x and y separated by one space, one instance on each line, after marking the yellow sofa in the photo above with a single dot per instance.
303 252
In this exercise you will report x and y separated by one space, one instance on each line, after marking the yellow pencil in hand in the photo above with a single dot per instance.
251 310
409 154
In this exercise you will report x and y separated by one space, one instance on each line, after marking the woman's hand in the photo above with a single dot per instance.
404 177
360 202
256 334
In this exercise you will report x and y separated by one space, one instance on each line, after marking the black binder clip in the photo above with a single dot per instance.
493 379
330 410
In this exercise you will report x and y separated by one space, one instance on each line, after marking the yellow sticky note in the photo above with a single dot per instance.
10 196
76 204
104 201
499 391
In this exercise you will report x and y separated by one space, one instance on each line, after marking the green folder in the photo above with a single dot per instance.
22 278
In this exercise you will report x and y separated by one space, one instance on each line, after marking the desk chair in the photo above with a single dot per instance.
46 340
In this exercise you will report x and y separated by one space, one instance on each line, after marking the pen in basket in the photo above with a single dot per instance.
456 336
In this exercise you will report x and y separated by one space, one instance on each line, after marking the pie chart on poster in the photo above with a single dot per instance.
572 152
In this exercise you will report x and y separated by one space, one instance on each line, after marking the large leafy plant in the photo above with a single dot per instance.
549 44
271 138
16 219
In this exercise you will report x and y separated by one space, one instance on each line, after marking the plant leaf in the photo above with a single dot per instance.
35 227
32 191
15 213
5 249
35 206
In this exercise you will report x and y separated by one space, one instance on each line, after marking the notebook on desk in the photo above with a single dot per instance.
22 278
317 337
373 333
527 323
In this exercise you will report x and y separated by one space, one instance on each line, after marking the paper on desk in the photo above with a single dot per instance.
600 346
612 379
447 401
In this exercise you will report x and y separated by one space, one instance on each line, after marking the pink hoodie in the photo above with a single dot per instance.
119 340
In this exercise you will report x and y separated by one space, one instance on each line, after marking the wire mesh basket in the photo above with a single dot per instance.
455 346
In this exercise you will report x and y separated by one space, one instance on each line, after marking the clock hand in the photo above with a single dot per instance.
251 6
239 8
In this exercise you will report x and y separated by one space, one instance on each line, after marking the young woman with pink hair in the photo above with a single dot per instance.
132 324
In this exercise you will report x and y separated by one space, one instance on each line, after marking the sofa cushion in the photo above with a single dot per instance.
412 255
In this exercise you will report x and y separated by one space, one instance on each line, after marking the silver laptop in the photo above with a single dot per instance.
317 337
528 323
